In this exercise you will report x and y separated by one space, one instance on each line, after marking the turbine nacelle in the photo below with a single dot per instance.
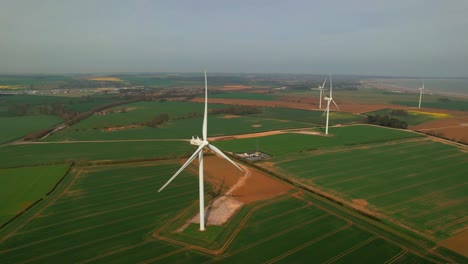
197 141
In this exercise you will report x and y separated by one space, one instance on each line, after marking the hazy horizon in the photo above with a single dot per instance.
397 38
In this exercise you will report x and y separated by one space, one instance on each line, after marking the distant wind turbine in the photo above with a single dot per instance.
421 89
321 91
201 143
329 100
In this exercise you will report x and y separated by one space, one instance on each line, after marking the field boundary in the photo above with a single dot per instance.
49 200
36 202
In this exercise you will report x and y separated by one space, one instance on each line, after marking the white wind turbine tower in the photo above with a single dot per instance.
201 143
321 91
329 100
421 90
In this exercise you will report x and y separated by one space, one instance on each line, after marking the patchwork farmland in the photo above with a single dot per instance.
108 213
362 194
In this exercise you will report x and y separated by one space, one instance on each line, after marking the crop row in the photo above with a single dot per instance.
396 174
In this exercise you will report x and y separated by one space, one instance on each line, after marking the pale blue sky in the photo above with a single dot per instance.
370 37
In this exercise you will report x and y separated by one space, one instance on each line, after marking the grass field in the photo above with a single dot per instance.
16 127
21 187
107 214
414 117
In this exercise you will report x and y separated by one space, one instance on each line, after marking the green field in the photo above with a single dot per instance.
140 112
82 152
107 214
423 190
157 81
17 127
21 187
416 182
282 145
180 129
316 117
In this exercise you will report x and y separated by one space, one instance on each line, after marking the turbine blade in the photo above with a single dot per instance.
331 86
220 153
205 116
323 85
324 112
194 155
335 104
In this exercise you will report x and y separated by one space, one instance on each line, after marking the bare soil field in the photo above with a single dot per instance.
257 185
457 243
454 128
234 188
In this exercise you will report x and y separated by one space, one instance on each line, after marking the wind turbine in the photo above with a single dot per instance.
329 99
201 143
321 91
421 89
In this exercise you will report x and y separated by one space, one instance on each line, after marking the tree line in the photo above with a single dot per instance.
386 121
236 110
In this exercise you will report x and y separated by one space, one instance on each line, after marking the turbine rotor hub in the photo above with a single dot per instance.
196 141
